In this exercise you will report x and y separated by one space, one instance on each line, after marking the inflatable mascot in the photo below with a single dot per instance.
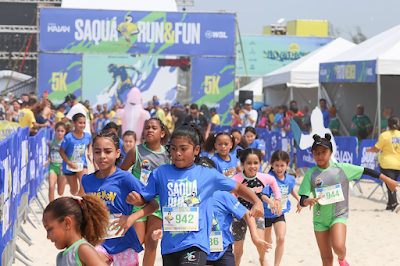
133 115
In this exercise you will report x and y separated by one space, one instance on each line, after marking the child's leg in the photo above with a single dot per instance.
338 236
261 235
325 247
239 228
52 185
61 182
140 228
73 183
153 223
280 232
238 251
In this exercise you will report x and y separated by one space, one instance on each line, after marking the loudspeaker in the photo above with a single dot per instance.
244 95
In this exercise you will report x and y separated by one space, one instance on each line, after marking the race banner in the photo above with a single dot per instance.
346 150
265 54
60 75
368 159
356 71
213 82
109 78
136 32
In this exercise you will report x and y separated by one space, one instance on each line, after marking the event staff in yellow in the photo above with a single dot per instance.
215 120
389 160
26 118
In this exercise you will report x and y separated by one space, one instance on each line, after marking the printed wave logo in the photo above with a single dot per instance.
369 159
53 27
293 53
216 34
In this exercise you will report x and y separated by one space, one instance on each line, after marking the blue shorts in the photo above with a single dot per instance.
227 259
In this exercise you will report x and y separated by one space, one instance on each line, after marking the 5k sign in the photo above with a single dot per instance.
59 81
211 85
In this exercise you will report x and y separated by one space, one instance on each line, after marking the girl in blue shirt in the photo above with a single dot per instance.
279 161
223 143
113 185
73 153
186 191
240 141
251 137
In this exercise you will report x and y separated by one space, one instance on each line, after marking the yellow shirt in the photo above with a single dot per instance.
271 118
59 117
114 119
389 142
170 126
26 118
215 120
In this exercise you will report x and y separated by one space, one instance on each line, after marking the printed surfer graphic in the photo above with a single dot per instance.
215 226
169 217
192 201
128 29
145 173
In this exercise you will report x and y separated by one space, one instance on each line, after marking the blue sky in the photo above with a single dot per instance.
372 16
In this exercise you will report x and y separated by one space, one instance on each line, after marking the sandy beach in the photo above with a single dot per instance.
373 237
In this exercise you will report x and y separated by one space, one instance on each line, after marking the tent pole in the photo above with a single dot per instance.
379 104
291 93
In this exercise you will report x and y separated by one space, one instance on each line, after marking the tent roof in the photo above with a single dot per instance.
305 70
384 47
255 86
136 5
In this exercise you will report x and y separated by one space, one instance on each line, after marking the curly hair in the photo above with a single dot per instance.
90 215
164 128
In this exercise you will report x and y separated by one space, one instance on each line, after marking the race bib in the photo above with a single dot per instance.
181 218
80 167
329 195
144 176
112 233
56 158
216 243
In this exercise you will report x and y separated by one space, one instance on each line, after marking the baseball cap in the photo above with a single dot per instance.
360 105
324 142
70 98
213 109
6 99
156 103
332 109
248 101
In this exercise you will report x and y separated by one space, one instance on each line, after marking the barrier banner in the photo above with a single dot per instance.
24 138
7 128
109 78
213 82
305 158
136 32
356 71
346 150
265 54
33 165
60 75
368 159
3 242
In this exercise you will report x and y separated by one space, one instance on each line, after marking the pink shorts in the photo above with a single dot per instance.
128 257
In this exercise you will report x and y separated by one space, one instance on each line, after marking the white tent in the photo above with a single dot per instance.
299 80
378 56
131 5
255 86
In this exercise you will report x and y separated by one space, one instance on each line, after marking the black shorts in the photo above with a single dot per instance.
227 259
73 173
270 221
188 257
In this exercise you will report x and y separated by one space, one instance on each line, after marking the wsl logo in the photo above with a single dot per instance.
53 27
216 34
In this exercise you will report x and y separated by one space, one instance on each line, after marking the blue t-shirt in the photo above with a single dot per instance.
100 125
257 144
106 121
175 186
234 151
325 114
224 166
121 146
225 206
205 154
285 186
113 190
75 149
278 117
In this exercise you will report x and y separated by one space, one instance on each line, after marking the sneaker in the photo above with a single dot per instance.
397 209
343 263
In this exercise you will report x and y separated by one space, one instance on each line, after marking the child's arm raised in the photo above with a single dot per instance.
48 159
89 256
260 244
242 191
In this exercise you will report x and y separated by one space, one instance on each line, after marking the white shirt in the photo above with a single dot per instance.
246 121
79 108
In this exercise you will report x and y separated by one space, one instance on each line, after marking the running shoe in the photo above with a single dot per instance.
397 209
343 263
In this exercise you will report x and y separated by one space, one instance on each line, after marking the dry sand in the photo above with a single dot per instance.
373 237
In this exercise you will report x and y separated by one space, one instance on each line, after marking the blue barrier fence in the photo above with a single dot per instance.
21 171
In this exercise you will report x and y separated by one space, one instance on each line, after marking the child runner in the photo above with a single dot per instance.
256 181
98 123
240 142
223 143
55 160
113 185
112 127
144 159
329 184
129 140
72 152
252 139
185 191
279 161
75 224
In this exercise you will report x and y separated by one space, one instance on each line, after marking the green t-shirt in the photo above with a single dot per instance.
160 114
336 173
384 124
359 122
334 126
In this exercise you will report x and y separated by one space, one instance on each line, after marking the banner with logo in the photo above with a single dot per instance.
109 78
368 159
264 54
356 71
213 83
346 150
136 32
7 128
60 75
